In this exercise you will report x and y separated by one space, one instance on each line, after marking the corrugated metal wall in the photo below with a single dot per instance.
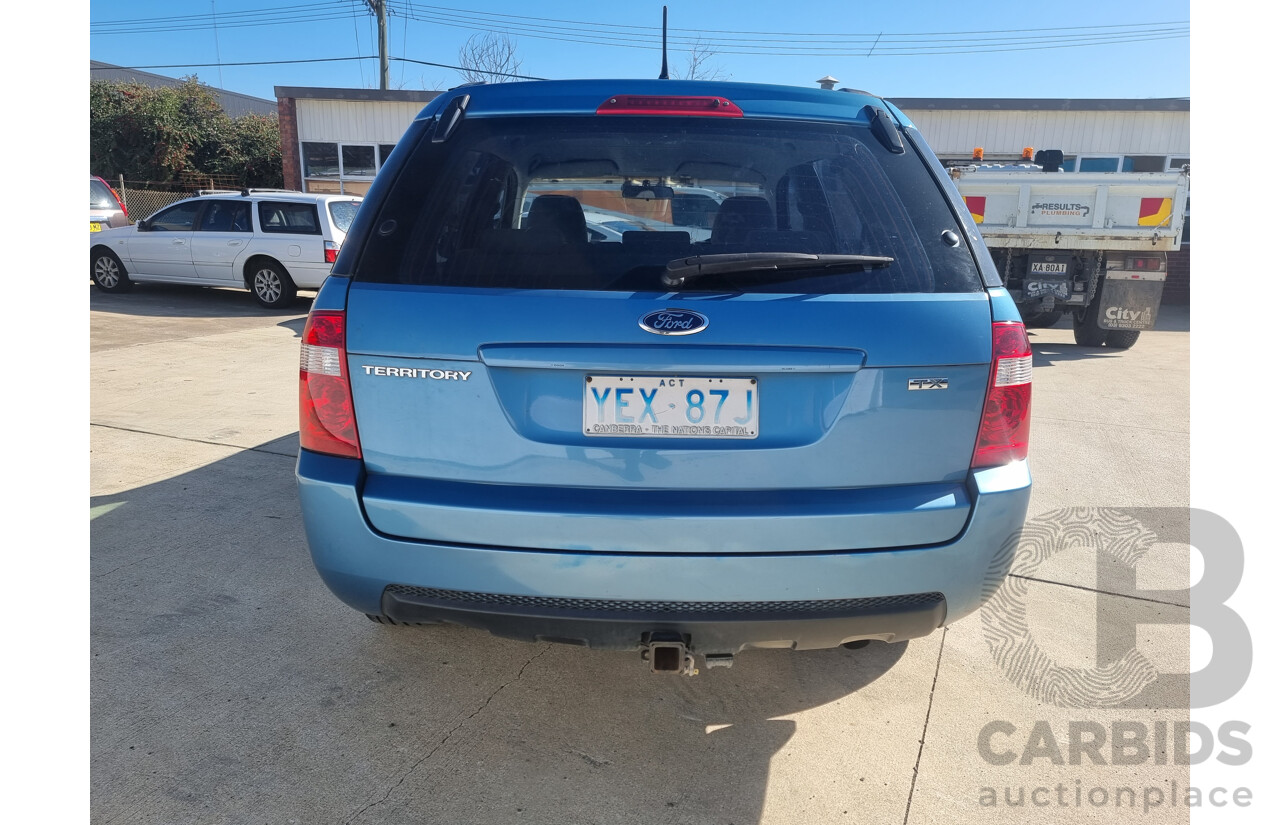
957 132
354 121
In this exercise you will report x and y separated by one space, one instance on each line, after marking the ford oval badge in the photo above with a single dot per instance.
673 322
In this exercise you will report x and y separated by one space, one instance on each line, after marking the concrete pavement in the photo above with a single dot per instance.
228 684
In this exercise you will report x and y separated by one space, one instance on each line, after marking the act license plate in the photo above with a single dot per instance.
666 406
94 226
1047 268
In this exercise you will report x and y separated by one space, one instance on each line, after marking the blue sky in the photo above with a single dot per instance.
1135 49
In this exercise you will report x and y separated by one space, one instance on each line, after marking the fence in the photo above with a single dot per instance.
145 198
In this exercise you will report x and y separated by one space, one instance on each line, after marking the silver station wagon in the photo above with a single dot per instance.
269 241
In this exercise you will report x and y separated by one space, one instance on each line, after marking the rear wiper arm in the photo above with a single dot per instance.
787 264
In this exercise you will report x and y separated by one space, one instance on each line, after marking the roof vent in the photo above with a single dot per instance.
827 82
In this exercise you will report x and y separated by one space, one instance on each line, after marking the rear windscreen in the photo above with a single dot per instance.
100 196
605 203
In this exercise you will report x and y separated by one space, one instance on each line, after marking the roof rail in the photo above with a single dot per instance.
245 191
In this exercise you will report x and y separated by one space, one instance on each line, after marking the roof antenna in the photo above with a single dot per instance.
664 75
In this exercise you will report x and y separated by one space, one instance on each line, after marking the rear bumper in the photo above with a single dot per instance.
721 603
307 275
707 627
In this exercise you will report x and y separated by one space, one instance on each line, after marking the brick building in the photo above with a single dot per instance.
336 140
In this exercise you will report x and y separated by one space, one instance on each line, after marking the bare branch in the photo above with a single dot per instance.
698 64
489 57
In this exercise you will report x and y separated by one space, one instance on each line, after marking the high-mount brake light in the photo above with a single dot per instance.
669 105
1006 416
326 412
330 252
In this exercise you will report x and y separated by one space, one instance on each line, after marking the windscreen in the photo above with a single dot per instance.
605 203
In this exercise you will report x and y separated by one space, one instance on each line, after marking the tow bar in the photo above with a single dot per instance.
669 653
669 657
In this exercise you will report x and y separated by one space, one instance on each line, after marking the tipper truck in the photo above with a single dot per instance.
1094 244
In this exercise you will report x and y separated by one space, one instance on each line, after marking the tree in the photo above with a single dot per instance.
252 154
166 133
488 58
698 65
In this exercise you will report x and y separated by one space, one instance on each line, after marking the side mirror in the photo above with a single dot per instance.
143 225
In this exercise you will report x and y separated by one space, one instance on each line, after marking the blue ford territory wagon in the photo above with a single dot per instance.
673 366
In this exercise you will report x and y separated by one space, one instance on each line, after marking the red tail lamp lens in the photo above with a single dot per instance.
1148 264
326 412
1005 431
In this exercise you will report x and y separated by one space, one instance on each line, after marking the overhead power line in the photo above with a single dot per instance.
269 13
704 32
276 15
243 63
467 68
313 60
617 35
818 44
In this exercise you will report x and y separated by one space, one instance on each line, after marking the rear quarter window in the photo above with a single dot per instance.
602 203
342 213
289 218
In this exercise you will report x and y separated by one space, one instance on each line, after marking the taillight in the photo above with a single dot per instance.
1006 416
668 105
330 252
326 413
1141 263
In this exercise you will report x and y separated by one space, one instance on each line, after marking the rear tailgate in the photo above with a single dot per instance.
494 339
471 423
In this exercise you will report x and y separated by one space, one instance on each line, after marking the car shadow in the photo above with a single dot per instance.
1048 353
177 301
221 661
297 325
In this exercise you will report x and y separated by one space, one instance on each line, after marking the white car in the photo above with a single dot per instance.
269 241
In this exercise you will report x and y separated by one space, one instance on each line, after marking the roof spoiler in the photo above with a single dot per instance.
885 130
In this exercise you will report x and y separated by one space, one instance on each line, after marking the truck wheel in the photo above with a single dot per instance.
1085 326
1122 338
1043 319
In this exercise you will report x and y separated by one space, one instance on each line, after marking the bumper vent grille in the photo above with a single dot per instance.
545 605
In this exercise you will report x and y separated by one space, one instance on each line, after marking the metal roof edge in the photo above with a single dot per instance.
167 80
383 95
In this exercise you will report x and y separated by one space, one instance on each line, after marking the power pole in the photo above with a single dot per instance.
379 7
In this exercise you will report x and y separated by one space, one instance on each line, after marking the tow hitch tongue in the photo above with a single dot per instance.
669 653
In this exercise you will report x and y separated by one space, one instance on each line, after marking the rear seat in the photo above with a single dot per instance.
530 259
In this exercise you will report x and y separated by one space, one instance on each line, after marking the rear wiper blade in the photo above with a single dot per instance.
786 264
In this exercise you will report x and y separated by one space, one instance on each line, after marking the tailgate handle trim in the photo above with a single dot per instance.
672 358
